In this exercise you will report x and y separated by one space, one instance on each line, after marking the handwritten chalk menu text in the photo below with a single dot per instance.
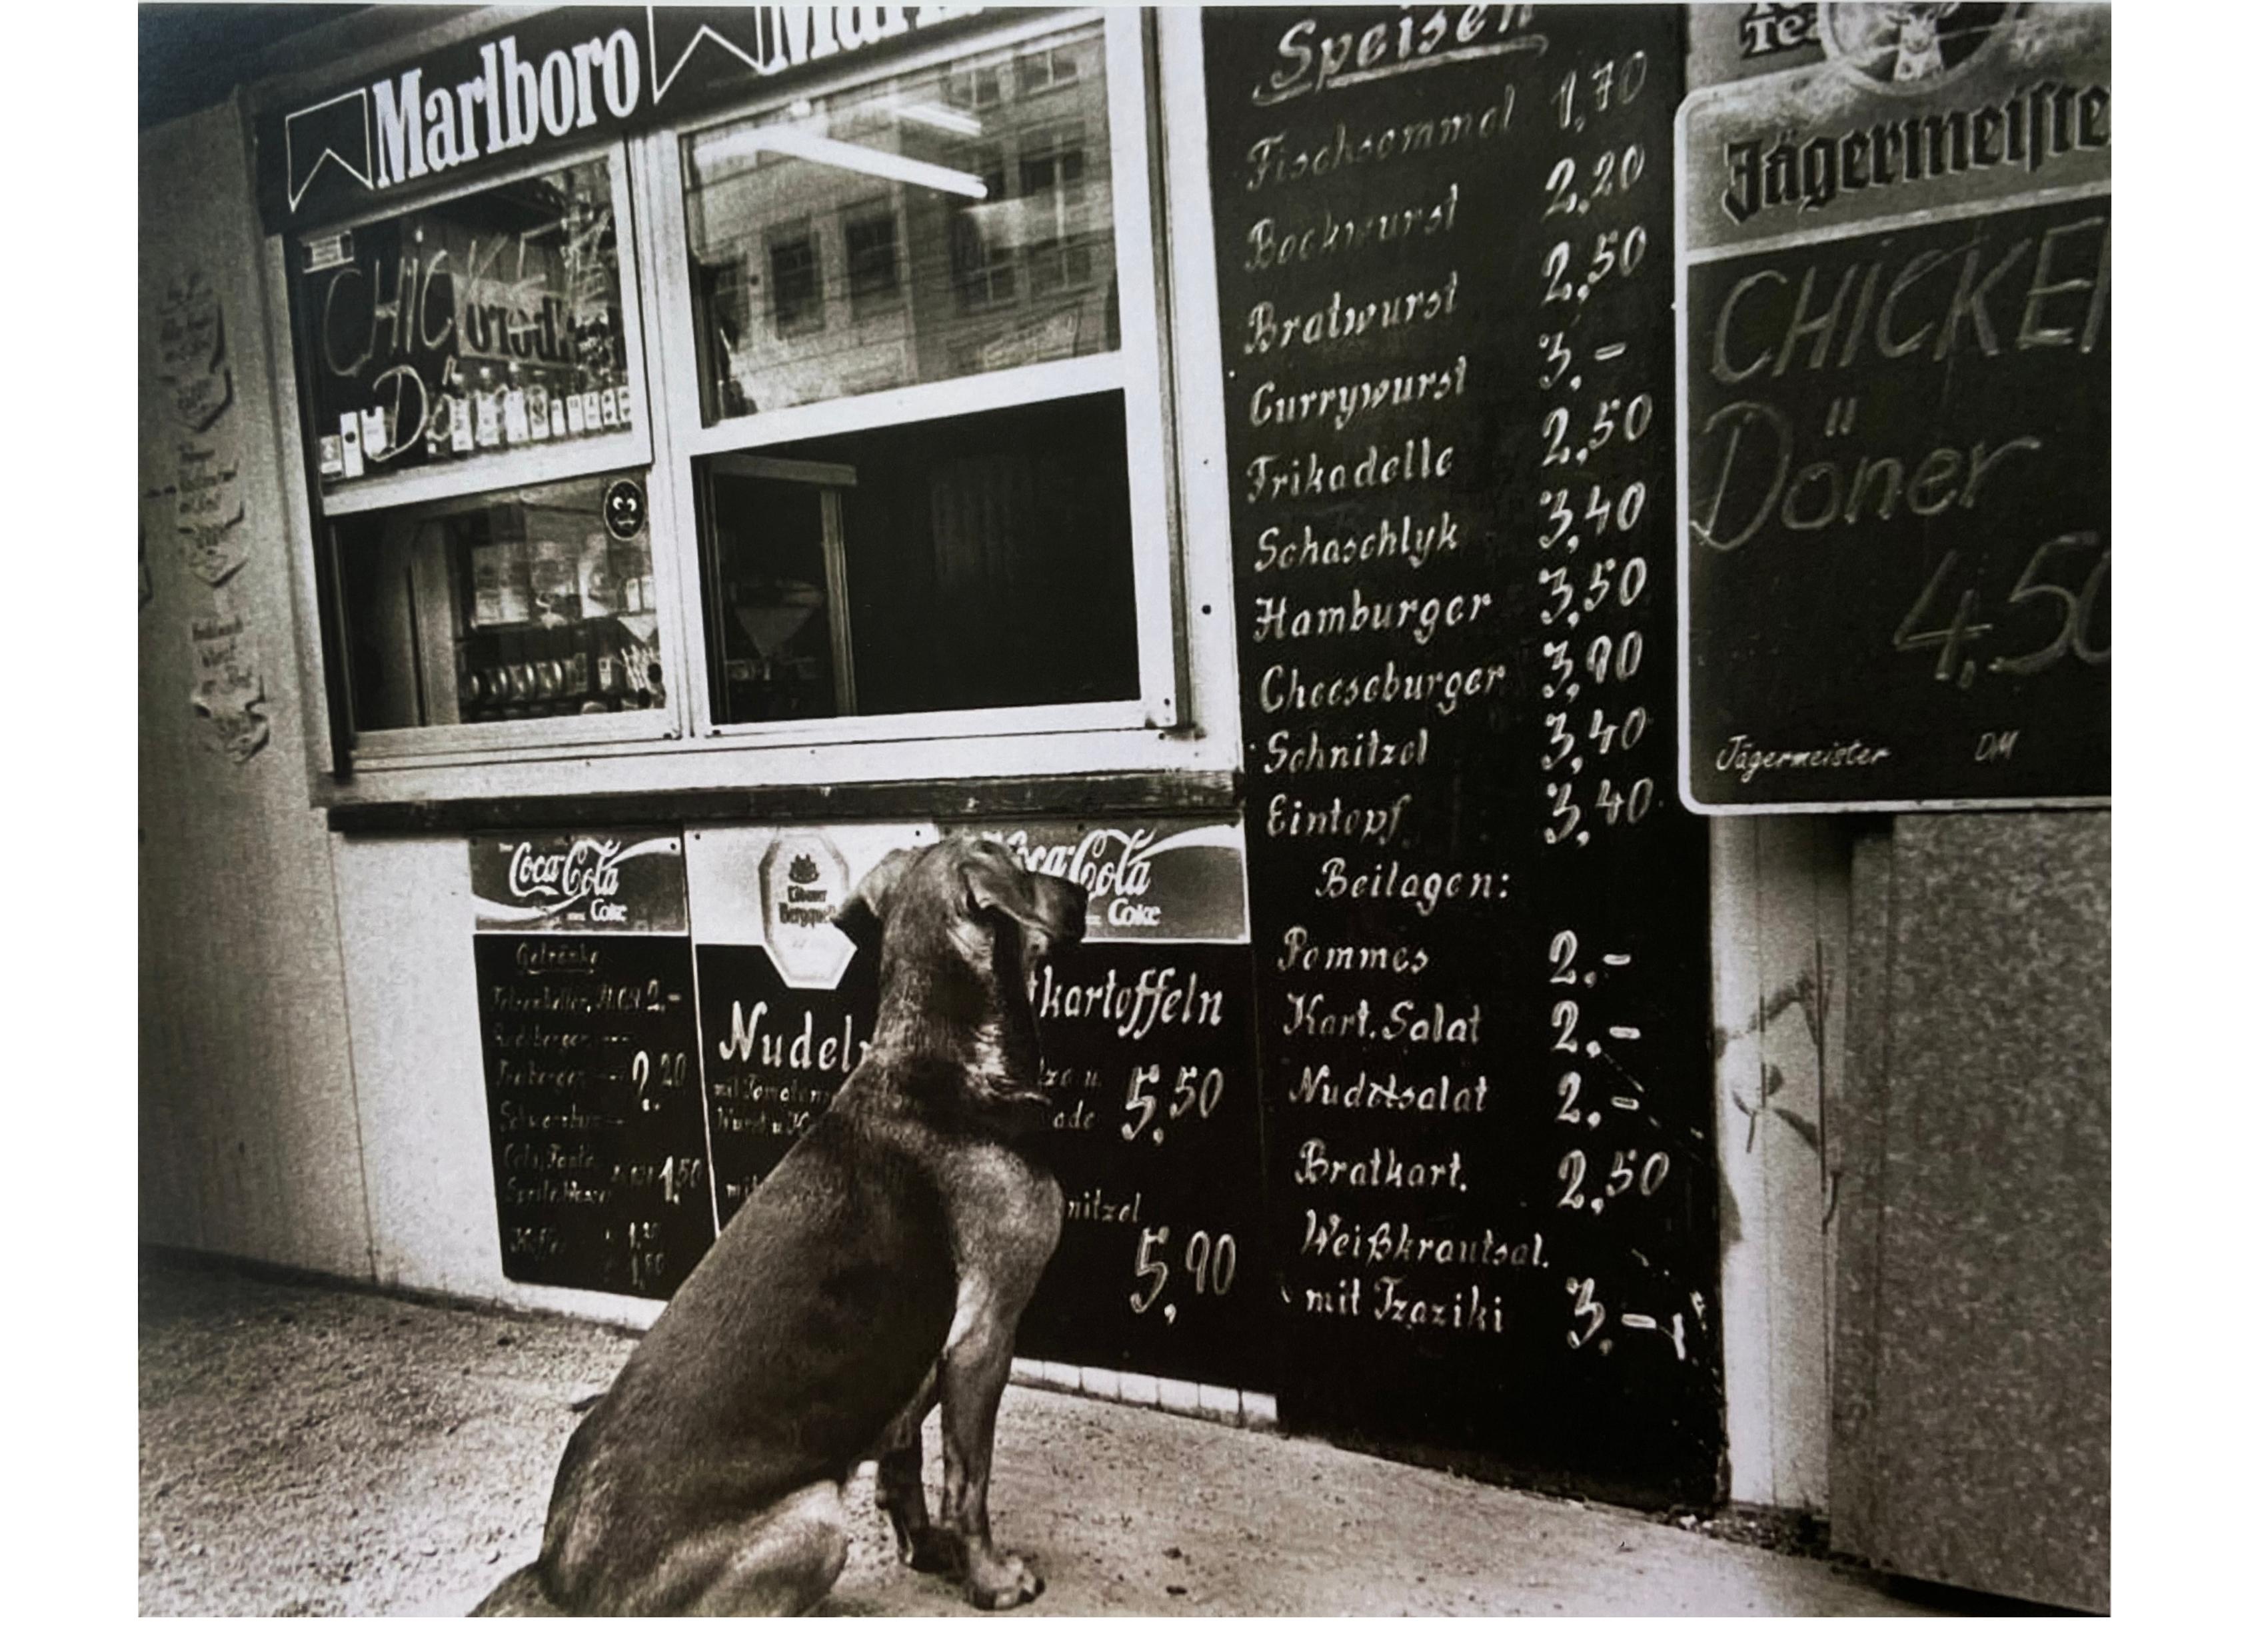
1155 1139
772 1056
1897 346
486 323
1479 912
595 1126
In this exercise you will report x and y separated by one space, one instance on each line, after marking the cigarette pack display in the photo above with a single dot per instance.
595 578
488 571
552 579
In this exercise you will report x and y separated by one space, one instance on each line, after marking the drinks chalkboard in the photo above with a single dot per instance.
1479 913
594 1110
595 1126
1896 429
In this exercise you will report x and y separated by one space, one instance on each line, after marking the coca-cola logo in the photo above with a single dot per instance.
586 869
1107 861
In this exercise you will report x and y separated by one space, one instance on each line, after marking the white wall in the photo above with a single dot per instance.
249 1141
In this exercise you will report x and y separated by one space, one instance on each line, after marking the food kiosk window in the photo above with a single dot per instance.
829 417
471 376
917 441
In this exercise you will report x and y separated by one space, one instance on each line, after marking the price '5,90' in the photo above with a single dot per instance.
1209 1259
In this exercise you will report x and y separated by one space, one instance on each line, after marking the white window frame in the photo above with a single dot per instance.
499 474
1136 369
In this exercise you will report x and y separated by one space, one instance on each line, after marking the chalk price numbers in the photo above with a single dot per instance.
1592 1179
1196 1092
2042 600
1583 606
1207 1258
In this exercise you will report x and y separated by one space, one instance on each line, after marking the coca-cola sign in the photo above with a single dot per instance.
616 880
1176 881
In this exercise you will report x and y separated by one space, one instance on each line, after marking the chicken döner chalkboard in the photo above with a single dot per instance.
1479 912
1896 435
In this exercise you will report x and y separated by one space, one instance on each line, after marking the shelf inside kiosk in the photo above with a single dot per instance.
524 604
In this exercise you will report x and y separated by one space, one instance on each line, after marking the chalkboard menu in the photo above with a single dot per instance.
587 1037
771 1058
1479 913
1896 429
1145 1040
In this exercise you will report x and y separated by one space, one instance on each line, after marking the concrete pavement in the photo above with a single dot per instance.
313 1450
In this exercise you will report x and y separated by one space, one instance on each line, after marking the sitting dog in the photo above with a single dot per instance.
880 1268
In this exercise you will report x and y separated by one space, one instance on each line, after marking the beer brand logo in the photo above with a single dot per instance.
1908 46
809 902
805 881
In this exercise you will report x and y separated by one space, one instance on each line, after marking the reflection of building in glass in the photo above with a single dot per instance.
935 225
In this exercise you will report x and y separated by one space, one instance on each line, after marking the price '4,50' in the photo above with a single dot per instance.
2073 612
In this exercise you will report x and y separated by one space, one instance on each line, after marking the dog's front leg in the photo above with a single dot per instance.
975 1371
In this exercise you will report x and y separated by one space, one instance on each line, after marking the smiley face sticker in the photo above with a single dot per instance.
625 508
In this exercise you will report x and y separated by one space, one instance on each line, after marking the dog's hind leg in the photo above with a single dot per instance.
780 1563
898 1488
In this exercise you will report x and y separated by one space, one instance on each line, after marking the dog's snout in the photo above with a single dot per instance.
1066 904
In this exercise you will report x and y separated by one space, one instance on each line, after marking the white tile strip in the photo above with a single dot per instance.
1253 1410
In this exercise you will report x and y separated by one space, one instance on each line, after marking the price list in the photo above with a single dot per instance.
595 1123
1155 1137
1479 911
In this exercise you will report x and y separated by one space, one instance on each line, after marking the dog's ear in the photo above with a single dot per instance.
867 908
1053 909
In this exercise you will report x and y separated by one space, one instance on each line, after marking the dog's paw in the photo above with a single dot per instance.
1003 1582
933 1549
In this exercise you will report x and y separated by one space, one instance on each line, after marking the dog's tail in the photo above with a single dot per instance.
520 1595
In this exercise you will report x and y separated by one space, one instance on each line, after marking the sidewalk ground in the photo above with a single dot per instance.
323 1450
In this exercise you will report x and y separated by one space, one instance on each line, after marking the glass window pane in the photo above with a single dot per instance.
519 604
936 224
473 326
980 562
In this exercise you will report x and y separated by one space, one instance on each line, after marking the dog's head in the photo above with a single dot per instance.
969 895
